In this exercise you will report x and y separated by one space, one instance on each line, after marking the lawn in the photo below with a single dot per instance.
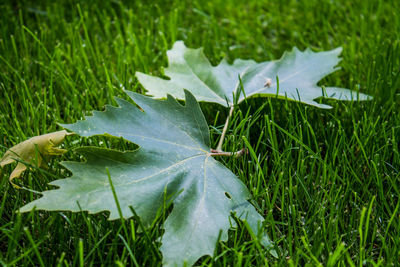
326 181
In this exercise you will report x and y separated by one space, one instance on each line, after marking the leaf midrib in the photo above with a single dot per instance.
174 125
143 178
163 141
289 77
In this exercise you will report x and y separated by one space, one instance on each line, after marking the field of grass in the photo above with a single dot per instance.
327 181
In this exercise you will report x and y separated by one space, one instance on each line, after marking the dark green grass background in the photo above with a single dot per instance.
327 181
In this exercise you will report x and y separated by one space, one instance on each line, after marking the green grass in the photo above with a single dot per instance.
327 181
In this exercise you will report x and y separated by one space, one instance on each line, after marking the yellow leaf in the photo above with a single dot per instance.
33 150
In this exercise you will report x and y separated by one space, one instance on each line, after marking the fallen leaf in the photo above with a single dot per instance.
293 77
173 165
33 151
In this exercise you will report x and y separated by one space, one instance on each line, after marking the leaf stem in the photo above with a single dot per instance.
219 151
221 140
215 152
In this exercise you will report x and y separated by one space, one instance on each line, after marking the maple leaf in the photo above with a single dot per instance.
298 74
173 164
33 150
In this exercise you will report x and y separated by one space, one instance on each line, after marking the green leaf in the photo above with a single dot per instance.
173 163
298 74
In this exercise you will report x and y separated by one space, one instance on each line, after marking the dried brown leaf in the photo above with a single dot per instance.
33 151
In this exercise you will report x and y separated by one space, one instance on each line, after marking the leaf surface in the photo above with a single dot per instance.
298 73
173 164
33 150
